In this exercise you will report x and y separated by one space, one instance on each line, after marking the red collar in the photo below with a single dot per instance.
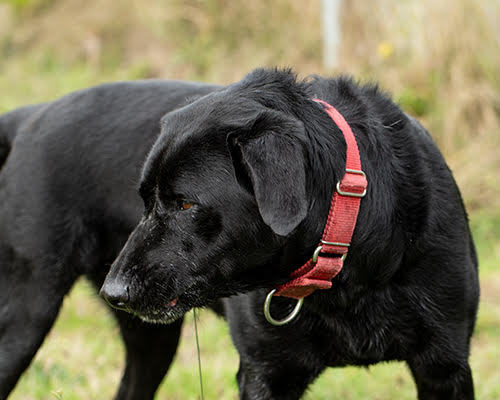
328 258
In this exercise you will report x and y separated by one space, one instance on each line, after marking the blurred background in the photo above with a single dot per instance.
439 58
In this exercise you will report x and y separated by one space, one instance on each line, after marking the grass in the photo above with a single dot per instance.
83 355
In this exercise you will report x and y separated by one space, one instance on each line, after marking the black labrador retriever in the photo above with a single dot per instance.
68 201
237 189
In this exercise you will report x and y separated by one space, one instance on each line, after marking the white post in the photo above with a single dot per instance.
331 33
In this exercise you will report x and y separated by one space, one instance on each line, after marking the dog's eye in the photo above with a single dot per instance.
185 205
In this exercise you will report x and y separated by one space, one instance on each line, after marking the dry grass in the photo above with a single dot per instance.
439 57
442 60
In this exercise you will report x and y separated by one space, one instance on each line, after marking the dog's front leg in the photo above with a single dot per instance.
150 349
260 380
276 362
442 380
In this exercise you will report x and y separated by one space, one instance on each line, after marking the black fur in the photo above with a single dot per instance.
68 201
259 160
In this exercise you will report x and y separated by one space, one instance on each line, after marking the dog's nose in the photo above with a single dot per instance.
116 295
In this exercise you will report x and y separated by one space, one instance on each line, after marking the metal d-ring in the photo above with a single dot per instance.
287 319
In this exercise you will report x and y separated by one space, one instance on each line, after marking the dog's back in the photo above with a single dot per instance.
10 123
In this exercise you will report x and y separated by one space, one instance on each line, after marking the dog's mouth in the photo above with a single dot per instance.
159 306
169 312
173 309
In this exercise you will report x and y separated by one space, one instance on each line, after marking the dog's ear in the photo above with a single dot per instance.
269 162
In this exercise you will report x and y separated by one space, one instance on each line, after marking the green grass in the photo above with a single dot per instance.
54 78
83 355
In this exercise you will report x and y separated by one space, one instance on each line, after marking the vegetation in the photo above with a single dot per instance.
440 59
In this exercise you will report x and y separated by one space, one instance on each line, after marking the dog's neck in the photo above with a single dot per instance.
325 164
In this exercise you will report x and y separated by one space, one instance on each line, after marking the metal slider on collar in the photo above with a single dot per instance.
319 248
351 194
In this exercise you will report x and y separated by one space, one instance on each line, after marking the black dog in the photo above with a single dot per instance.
236 191
68 202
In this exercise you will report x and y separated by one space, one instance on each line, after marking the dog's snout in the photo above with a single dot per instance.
115 294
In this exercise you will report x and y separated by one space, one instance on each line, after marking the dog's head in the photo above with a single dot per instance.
224 189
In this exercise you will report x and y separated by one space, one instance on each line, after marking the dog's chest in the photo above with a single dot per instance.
370 331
